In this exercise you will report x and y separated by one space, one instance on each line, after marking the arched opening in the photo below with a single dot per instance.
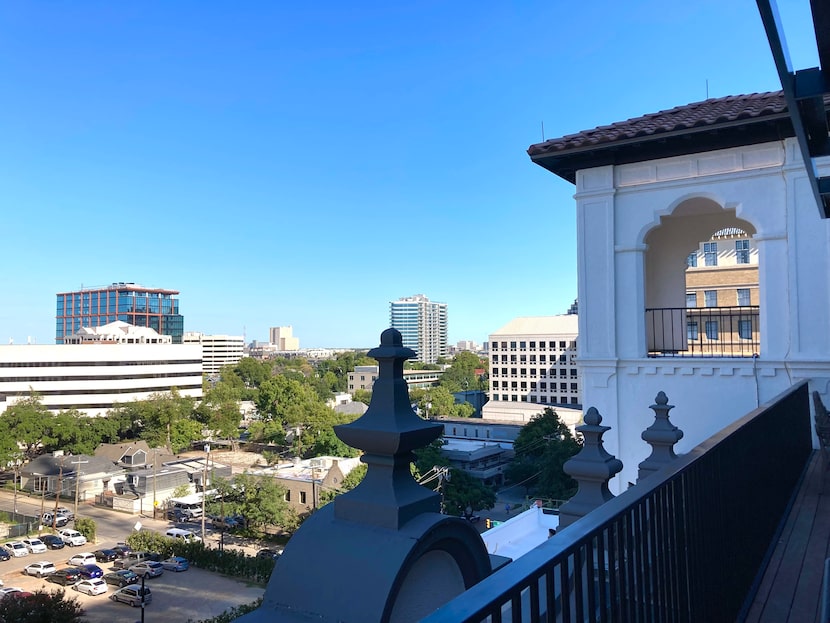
701 283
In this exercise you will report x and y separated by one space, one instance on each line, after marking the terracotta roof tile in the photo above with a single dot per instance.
711 112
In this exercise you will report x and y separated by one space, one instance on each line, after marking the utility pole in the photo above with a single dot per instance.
57 498
42 501
155 462
204 488
78 463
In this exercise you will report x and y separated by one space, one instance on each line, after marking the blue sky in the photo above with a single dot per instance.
297 163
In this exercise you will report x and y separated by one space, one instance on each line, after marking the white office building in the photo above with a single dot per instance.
95 377
217 350
532 366
423 326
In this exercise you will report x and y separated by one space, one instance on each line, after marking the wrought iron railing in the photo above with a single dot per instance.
703 331
686 544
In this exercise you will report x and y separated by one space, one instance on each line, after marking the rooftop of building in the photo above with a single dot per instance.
120 331
121 286
565 324
715 123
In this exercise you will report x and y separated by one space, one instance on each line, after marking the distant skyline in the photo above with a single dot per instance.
305 164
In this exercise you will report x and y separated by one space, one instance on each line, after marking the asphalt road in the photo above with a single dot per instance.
194 594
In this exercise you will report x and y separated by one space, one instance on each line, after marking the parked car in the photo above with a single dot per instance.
95 586
105 555
268 553
5 554
51 520
122 549
122 577
226 523
18 549
125 562
89 572
39 569
13 591
34 545
53 541
133 595
177 515
72 537
62 511
84 558
65 577
147 568
175 563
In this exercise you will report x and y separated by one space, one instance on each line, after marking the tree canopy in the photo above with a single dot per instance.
542 447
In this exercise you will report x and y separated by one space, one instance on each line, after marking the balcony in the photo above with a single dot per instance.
691 542
703 331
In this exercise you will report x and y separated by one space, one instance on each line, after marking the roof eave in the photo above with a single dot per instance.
566 162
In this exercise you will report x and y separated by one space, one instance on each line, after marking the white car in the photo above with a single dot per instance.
17 549
84 558
96 586
39 569
34 545
72 537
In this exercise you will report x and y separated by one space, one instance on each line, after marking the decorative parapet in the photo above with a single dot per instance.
661 435
592 468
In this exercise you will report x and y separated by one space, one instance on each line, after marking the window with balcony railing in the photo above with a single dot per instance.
703 331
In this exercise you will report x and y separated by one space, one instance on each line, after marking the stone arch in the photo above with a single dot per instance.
673 236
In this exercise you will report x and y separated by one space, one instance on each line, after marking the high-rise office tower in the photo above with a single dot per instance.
423 326
135 304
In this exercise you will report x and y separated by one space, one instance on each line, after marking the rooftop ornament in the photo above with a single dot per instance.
382 551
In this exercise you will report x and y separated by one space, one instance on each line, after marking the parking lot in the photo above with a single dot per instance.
193 594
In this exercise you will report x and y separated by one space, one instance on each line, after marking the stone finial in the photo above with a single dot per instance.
592 468
661 435
388 433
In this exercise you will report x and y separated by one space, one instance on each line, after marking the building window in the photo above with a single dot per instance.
302 497
287 496
533 344
710 298
563 344
745 329
574 401
573 387
543 385
710 253
691 299
514 385
563 386
495 345
543 359
532 385
514 398
524 384
742 251
512 345
743 297
712 329
544 399
495 397
504 397
691 261
522 345
691 330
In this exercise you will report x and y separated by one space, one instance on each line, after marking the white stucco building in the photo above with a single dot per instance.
648 191
217 350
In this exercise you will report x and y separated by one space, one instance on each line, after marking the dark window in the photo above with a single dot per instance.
745 329
742 251
691 261
710 253
712 329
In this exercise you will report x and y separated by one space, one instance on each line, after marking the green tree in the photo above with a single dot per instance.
42 607
86 526
262 502
219 412
350 481
542 447
285 399
28 422
252 372
362 395
461 375
437 401
458 488
165 419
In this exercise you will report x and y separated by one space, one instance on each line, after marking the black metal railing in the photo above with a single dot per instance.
703 331
686 544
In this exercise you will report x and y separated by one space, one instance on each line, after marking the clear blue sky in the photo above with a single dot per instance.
305 163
